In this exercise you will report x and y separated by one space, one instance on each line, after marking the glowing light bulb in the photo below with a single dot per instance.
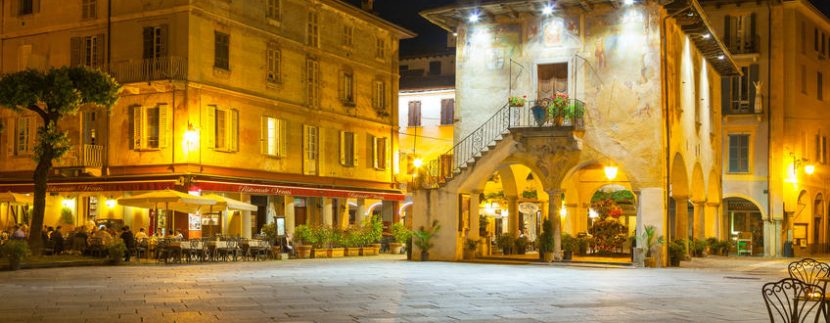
611 172
417 163
628 2
473 17
809 169
547 10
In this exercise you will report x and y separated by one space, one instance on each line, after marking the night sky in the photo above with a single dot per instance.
430 37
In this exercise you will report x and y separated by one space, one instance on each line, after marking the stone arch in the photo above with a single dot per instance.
679 177
678 218
748 199
698 184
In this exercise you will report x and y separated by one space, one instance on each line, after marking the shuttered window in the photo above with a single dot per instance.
311 146
379 97
379 152
447 111
819 86
89 9
312 29
347 149
272 9
221 52
347 87
150 126
24 136
274 135
739 153
348 35
312 72
414 114
155 42
273 61
380 48
222 128
87 50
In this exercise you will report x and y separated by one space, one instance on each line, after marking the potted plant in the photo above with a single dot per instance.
652 244
422 238
569 245
517 102
723 247
401 234
374 232
303 236
521 245
697 247
546 241
470 247
351 241
116 250
530 194
320 239
505 243
335 249
15 251
677 251
557 108
539 111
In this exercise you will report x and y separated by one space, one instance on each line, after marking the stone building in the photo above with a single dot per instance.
628 101
290 105
775 174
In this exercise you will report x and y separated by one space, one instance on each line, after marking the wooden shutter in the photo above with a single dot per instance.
342 148
753 77
354 149
165 127
75 51
727 37
725 95
137 125
100 49
372 143
263 137
148 42
164 40
209 124
818 148
755 47
282 139
233 137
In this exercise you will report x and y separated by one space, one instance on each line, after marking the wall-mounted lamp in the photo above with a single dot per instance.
191 138
611 172
809 169
110 203
474 17
547 10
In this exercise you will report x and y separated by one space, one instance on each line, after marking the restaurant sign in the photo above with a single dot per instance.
294 191
93 187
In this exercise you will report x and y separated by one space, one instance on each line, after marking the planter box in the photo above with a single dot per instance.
335 253
320 253
303 252
368 251
352 252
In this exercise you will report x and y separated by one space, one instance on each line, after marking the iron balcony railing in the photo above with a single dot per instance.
153 69
82 156
533 114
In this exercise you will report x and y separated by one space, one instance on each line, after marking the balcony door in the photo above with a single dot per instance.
90 124
551 79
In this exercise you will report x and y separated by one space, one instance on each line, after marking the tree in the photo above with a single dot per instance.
52 95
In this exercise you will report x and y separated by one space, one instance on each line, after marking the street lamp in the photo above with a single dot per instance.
809 169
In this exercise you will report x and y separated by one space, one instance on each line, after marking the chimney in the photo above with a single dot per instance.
368 5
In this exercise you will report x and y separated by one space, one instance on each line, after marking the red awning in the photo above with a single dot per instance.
93 186
294 191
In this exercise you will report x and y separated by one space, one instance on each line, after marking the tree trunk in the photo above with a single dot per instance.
41 177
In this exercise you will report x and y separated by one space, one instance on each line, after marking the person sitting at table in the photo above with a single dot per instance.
18 233
129 241
102 234
140 235
178 235
57 237
158 234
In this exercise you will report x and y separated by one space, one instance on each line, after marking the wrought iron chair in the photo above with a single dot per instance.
809 270
792 301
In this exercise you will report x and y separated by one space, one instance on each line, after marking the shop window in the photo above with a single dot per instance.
447 111
348 157
414 114
739 153
221 50
274 135
222 128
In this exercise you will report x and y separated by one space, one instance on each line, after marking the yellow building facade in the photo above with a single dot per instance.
288 104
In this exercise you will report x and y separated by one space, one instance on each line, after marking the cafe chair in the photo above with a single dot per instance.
792 301
809 270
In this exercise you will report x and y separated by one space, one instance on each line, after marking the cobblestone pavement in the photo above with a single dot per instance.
381 289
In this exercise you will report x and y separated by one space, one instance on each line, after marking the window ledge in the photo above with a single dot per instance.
221 72
274 22
228 151
147 149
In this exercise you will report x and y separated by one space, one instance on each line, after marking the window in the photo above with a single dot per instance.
310 149
803 33
150 126
272 9
739 34
274 135
803 79
312 70
447 111
742 90
414 114
739 153
380 48
155 42
819 86
221 50
87 50
27 7
273 59
89 9
823 156
23 136
435 68
379 97
379 152
312 30
348 35
222 128
347 87
347 149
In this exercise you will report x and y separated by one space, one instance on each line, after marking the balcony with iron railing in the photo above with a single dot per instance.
749 44
553 116
86 156
171 68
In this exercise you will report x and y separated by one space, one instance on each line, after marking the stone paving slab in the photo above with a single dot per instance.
387 289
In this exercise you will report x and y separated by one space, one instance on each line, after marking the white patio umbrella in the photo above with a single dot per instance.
169 200
14 199
225 203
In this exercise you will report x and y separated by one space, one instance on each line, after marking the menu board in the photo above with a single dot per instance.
280 226
195 222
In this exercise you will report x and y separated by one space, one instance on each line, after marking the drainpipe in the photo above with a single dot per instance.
106 154
769 118
666 109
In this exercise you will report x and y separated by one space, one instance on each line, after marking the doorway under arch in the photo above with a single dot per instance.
744 222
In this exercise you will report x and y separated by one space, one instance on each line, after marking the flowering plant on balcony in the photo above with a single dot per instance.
517 102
